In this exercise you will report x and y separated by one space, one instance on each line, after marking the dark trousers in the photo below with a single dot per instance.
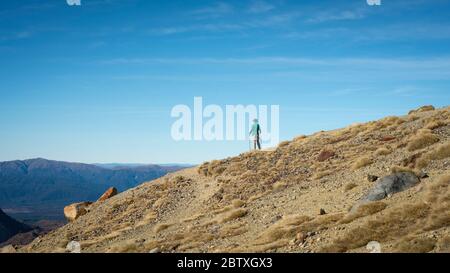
257 143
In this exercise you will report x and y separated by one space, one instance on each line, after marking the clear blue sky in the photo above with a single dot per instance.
96 83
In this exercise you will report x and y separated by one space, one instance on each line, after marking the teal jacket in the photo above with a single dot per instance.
256 130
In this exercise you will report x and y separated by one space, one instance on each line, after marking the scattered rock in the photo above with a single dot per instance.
322 212
8 249
387 138
390 185
325 155
74 211
372 178
73 247
425 108
154 251
300 237
108 194
423 175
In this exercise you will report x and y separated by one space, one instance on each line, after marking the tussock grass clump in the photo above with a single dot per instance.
232 215
403 220
279 185
432 125
287 227
382 151
129 246
350 186
363 211
321 174
362 162
160 227
233 230
411 244
422 140
237 203
440 152
401 169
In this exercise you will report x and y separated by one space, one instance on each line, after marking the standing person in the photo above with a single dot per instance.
256 132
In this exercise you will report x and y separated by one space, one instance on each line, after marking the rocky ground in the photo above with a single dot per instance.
296 198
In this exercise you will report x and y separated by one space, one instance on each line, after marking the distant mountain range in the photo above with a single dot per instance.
38 189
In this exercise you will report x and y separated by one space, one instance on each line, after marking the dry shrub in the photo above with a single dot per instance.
414 245
382 151
363 211
440 152
362 162
235 214
350 186
422 140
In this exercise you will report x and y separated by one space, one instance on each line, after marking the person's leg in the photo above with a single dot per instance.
254 144
259 143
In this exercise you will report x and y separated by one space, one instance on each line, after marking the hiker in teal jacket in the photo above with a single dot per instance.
255 132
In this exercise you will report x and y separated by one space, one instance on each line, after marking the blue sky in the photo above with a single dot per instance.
97 82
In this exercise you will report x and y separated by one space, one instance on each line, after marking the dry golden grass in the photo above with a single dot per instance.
362 162
382 151
279 185
350 186
432 125
321 174
440 152
363 211
233 230
411 244
402 220
422 140
284 144
287 227
232 215
160 227
237 203
401 169
129 246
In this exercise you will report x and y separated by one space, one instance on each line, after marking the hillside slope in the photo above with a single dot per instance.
37 189
10 227
296 198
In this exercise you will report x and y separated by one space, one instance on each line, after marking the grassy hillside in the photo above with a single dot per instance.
296 198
